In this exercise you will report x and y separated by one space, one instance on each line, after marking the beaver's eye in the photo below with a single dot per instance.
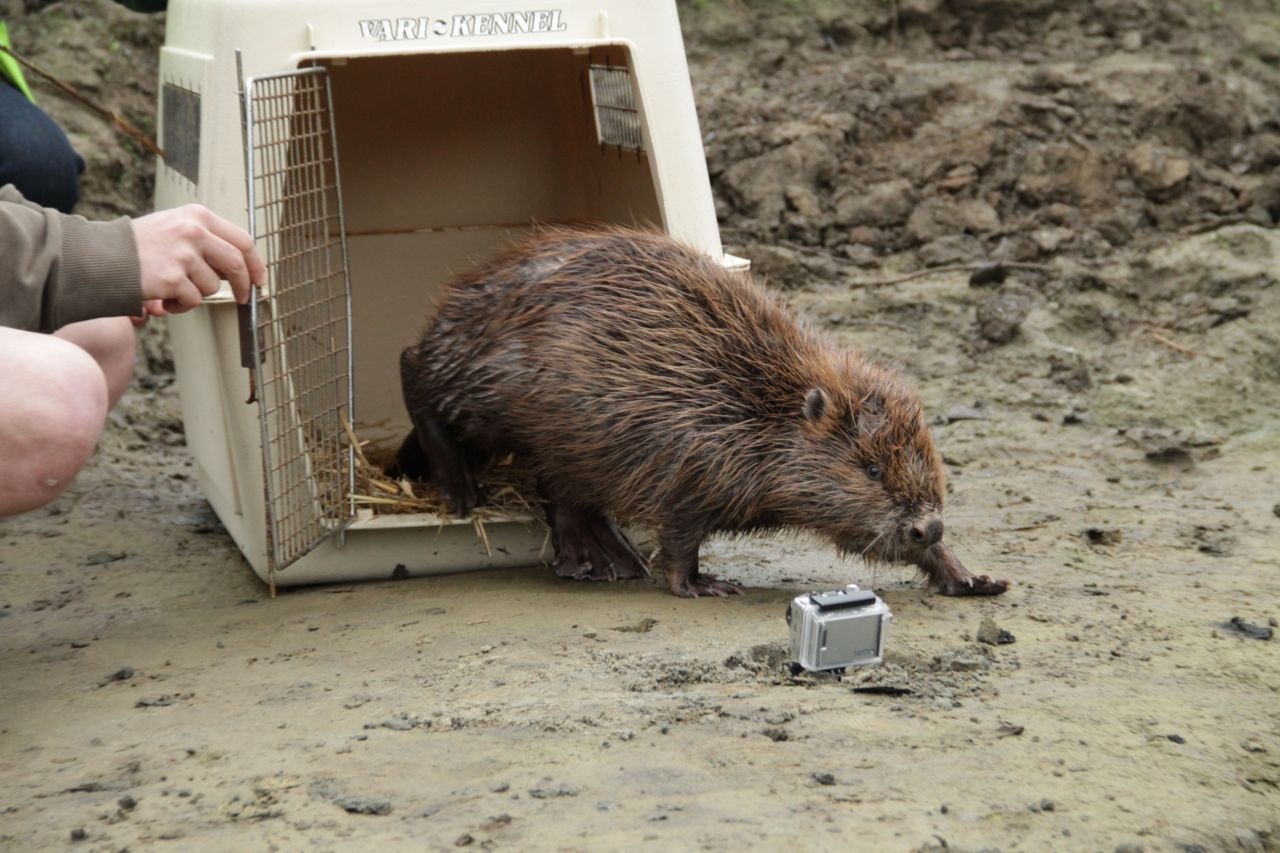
875 472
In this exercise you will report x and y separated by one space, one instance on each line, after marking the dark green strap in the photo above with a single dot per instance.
10 68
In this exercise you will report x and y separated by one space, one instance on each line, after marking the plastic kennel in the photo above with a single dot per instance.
375 152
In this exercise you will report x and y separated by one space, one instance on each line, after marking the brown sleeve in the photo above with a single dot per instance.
57 269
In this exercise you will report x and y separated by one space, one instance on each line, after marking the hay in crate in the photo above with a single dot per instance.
508 490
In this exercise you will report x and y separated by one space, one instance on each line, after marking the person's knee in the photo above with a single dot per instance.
112 343
56 410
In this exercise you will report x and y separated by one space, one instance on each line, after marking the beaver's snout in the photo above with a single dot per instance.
926 530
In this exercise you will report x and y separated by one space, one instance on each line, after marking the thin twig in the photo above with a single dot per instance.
124 126
1213 224
478 523
1177 347
351 436
939 270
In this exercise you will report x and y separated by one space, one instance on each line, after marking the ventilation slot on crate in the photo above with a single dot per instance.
617 119
180 116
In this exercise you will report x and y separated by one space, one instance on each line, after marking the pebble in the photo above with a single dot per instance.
363 805
101 558
1249 629
992 634
1000 316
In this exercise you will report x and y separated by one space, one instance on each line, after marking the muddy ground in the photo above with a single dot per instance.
1108 417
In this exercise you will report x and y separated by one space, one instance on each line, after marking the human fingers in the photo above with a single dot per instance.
227 261
204 277
243 242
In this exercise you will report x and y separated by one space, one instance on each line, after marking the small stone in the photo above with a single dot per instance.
102 558
1176 738
546 790
78 834
951 249
363 805
1249 629
500 788
464 840
776 734
992 634
1000 316
1156 170
1047 805
823 778
1102 536
937 217
881 204
803 200
124 673
127 803
964 413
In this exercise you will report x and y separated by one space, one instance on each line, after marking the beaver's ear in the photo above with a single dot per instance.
816 405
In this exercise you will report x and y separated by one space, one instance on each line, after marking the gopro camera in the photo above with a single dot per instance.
833 630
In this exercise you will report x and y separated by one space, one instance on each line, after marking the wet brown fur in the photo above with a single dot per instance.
642 381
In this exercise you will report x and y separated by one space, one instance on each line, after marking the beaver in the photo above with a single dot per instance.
643 383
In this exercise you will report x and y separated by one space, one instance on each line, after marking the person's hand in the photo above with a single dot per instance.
184 252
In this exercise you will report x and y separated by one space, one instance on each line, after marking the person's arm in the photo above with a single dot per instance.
57 269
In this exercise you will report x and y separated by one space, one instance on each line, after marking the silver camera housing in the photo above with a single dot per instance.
837 629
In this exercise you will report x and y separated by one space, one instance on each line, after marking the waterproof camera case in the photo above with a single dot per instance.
836 629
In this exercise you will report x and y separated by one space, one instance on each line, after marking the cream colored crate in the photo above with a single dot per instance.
454 132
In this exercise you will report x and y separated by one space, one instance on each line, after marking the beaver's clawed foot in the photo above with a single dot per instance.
589 546
949 576
698 585
975 585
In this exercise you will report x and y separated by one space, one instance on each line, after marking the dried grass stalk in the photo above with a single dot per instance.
504 486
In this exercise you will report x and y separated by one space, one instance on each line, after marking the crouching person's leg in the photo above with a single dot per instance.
53 404
110 341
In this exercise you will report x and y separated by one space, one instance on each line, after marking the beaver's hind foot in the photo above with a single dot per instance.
698 585
589 546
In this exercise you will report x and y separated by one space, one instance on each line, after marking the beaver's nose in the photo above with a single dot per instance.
926 532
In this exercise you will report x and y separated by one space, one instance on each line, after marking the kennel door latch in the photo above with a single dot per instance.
244 321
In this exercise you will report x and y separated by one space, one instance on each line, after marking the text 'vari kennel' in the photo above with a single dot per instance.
375 153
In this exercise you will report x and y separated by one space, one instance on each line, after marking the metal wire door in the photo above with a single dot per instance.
302 318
